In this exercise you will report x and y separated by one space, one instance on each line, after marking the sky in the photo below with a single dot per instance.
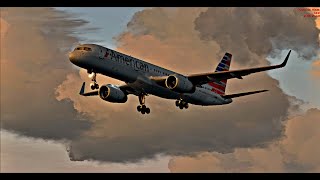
154 34
110 21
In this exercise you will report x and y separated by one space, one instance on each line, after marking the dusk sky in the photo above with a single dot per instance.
284 124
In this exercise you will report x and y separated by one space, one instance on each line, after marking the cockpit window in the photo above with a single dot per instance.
84 48
87 49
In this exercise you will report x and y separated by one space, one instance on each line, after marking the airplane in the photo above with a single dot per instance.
142 79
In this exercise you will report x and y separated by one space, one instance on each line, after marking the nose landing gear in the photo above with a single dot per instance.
142 107
94 85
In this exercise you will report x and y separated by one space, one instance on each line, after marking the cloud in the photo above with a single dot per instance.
43 100
34 46
316 64
318 23
315 71
251 34
296 152
4 28
21 154
167 37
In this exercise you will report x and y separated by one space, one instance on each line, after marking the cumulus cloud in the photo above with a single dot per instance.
318 22
39 103
316 68
34 46
21 154
296 152
121 134
4 28
254 33
316 64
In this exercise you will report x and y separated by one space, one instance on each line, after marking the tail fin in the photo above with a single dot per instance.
219 87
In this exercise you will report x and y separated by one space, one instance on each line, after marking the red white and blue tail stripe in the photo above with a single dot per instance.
219 87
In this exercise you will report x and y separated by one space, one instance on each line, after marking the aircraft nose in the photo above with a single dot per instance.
72 57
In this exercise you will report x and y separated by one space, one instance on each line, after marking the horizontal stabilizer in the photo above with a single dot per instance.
82 93
230 96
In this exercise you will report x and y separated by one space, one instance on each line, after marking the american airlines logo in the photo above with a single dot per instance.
126 60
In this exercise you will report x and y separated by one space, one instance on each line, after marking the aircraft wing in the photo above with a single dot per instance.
230 96
127 89
198 79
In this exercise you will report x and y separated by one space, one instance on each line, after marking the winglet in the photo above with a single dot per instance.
82 88
285 60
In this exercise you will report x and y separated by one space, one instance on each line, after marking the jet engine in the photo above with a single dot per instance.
179 84
112 93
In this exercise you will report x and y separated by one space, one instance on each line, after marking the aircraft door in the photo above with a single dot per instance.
101 53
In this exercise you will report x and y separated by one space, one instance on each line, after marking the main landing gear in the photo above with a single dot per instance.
94 85
182 104
142 107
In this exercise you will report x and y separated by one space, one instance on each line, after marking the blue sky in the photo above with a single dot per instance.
110 20
297 80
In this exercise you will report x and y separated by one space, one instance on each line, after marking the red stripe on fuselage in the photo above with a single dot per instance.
217 91
224 81
217 86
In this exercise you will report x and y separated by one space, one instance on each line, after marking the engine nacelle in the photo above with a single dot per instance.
112 93
179 84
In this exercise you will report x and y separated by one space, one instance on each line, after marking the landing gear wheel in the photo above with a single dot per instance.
139 108
177 103
142 107
148 110
97 86
182 104
94 85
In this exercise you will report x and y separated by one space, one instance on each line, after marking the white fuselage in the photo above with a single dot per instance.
136 73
